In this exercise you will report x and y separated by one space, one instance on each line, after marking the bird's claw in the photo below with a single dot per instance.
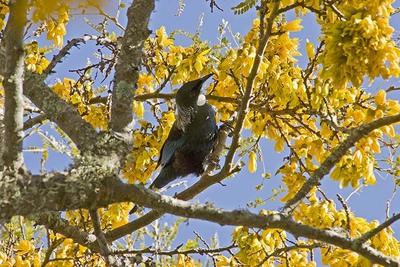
228 127
213 161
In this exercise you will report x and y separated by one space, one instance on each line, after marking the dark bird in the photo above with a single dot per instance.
191 138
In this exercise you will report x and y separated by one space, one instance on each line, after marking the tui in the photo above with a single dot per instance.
192 136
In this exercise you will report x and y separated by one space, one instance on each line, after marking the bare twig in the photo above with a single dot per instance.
63 52
70 44
245 103
101 12
279 251
346 210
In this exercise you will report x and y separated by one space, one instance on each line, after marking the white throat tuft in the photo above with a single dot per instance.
201 100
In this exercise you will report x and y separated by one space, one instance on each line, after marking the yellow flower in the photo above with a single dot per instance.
24 247
293 26
310 49
252 162
162 37
380 98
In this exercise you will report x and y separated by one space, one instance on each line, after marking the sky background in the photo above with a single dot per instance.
369 202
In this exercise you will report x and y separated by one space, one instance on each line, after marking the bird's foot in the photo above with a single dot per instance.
228 125
212 161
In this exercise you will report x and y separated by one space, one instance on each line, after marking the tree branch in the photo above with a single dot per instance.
245 218
53 221
59 111
368 235
101 240
33 121
63 52
355 135
279 251
129 64
248 219
43 193
1 134
245 103
200 251
13 85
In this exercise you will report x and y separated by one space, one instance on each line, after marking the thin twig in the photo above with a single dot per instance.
346 210
33 121
101 240
368 235
355 135
70 44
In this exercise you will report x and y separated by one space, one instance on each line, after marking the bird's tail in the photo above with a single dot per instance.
165 176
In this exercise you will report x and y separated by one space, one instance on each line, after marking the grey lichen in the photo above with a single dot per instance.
10 192
124 90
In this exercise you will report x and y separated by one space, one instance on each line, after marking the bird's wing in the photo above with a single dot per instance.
175 140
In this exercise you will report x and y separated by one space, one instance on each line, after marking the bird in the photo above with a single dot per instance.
191 139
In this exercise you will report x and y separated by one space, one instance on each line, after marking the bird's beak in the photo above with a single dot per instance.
205 78
199 82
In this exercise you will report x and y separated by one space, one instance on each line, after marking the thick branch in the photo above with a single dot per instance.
43 193
53 221
33 121
53 192
59 111
245 218
13 85
129 64
355 135
1 133
200 251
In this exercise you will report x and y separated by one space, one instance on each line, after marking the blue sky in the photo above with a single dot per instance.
370 202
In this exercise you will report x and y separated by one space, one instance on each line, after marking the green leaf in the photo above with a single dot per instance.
244 6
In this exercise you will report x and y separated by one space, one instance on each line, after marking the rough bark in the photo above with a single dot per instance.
13 73
129 64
